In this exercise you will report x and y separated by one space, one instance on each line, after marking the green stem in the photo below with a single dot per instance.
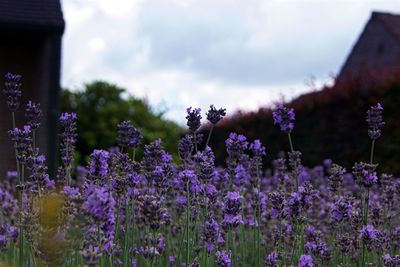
371 158
127 230
21 227
187 223
195 141
209 135
290 142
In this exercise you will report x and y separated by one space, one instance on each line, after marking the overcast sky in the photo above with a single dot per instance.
236 54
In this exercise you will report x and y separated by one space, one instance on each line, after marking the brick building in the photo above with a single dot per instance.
31 33
377 50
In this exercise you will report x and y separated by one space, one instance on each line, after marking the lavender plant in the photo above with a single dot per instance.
120 210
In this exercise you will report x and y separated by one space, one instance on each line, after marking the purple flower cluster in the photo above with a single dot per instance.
215 115
284 117
22 142
98 167
223 258
12 90
33 115
375 121
232 210
100 205
365 174
128 136
68 138
193 118
152 210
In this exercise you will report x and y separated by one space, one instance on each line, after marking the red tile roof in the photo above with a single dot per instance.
39 14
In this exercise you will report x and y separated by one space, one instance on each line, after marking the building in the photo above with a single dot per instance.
31 33
376 54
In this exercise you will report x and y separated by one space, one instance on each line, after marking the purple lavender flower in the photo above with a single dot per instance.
205 164
189 178
215 115
38 172
151 212
171 260
100 205
305 261
22 142
68 139
375 121
257 148
185 148
284 117
90 255
390 261
128 136
33 114
336 173
12 232
342 209
223 258
365 174
3 242
210 234
236 145
12 90
232 209
369 235
271 260
193 118
99 163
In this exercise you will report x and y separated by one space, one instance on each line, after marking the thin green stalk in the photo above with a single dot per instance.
187 223
258 212
371 158
290 143
209 134
21 227
127 231
292 150
195 141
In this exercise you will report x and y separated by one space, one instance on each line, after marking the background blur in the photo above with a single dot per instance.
234 53
147 60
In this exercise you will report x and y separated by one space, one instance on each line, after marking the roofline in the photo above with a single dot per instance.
353 47
374 16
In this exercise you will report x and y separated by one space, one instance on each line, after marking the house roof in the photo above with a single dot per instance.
390 21
45 15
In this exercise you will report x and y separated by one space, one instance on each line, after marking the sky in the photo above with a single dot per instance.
237 54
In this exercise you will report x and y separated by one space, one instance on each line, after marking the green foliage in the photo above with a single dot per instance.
100 106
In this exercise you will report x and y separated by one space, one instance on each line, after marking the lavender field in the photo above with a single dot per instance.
121 210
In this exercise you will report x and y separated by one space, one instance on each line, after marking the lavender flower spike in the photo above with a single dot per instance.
305 261
284 117
128 136
68 137
193 118
375 121
12 90
223 259
215 115
33 114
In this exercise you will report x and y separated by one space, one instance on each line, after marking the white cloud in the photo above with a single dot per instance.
231 53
